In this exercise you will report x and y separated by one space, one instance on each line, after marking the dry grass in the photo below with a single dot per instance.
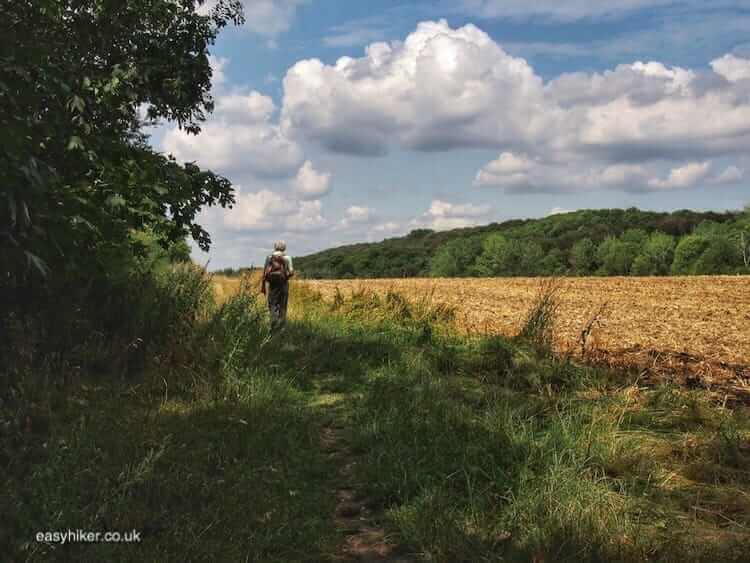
692 328
225 287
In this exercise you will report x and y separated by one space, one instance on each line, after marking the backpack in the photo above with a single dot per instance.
276 272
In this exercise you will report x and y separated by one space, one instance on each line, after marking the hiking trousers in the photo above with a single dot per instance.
278 297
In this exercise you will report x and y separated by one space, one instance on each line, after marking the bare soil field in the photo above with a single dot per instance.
693 329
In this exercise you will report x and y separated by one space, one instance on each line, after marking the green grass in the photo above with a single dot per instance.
469 449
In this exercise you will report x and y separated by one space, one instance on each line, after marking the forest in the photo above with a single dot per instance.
606 242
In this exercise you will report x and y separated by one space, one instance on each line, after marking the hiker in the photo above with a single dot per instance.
275 283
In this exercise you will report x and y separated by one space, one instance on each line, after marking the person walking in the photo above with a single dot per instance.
277 270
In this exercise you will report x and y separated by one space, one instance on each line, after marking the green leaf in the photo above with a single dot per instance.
33 261
115 200
75 143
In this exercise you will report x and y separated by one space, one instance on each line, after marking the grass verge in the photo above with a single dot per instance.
469 449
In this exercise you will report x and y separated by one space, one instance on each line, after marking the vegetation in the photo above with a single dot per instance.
130 399
588 242
466 448
80 79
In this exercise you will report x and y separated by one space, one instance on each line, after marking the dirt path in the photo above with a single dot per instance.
365 540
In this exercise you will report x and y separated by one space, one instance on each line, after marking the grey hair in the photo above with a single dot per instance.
279 245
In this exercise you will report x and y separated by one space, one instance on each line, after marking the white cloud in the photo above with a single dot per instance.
443 215
218 77
351 35
732 68
440 208
388 227
311 184
682 177
444 88
558 211
441 88
264 17
578 174
355 217
308 217
239 138
266 210
357 214
730 175
557 10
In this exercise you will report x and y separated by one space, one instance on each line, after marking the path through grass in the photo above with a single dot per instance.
452 449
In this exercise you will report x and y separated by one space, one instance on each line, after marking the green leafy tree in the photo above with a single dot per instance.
553 263
634 236
687 252
656 256
455 258
77 172
616 256
583 257
721 256
504 257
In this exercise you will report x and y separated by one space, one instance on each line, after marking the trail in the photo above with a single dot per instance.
355 515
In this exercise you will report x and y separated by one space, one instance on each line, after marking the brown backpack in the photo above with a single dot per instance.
276 272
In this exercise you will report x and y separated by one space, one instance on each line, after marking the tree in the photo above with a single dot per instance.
509 257
455 258
553 263
655 257
616 256
687 252
77 172
721 256
583 257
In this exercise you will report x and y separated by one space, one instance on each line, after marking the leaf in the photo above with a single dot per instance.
37 263
115 200
12 209
25 214
75 143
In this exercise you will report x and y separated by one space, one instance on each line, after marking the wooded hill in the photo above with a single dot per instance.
586 242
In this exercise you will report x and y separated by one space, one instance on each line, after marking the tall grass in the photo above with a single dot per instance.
538 327
488 449
467 449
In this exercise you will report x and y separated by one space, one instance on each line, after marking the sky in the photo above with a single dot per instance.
343 122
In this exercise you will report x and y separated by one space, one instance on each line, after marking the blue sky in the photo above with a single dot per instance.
356 121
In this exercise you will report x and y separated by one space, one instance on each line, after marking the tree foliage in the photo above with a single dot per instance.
586 242
79 78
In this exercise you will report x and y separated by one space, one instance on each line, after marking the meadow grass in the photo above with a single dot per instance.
467 448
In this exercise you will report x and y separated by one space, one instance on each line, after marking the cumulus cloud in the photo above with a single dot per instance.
730 175
444 88
682 177
558 211
218 76
443 215
441 88
356 217
266 210
311 184
264 17
239 138
732 68
357 214
576 175
386 228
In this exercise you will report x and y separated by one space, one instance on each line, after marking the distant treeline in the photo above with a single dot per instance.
233 272
604 242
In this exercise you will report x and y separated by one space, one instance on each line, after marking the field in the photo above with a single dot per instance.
695 327
368 429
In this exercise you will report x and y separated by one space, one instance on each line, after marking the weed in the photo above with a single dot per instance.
538 327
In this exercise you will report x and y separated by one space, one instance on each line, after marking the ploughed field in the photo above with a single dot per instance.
693 328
